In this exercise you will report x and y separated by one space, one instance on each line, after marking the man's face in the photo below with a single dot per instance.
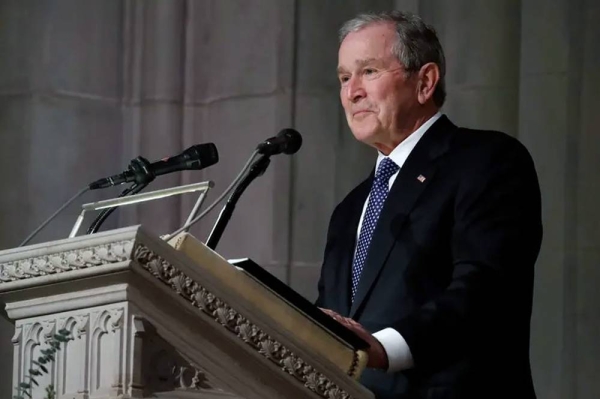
376 92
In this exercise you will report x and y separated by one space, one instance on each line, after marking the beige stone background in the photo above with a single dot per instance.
85 86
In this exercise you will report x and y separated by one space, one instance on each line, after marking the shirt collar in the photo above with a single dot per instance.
403 150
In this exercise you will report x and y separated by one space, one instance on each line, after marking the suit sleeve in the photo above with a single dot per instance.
496 238
321 300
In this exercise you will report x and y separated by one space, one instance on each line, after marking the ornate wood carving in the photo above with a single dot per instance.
65 261
237 324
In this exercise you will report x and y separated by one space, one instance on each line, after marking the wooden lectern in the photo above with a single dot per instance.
160 319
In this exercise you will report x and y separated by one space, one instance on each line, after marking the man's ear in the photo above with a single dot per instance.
428 78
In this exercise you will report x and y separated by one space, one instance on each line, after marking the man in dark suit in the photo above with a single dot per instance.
431 258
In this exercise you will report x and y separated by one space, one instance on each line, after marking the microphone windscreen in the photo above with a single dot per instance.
293 141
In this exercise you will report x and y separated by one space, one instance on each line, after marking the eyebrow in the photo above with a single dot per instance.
361 64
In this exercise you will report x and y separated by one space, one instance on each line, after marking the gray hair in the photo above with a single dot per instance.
417 43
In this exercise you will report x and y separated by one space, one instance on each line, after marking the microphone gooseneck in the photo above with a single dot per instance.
287 141
105 213
257 169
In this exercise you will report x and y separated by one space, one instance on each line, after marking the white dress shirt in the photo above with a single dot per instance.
398 352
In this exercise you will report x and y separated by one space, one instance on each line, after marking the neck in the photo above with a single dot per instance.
402 134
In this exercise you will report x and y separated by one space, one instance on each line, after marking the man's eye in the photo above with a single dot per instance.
344 79
369 71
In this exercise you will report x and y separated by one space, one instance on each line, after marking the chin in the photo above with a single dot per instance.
363 137
367 136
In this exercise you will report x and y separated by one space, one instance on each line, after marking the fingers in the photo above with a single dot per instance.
377 356
336 316
329 312
355 323
347 322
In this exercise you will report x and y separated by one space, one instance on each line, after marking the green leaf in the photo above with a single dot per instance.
48 355
63 337
50 392
41 366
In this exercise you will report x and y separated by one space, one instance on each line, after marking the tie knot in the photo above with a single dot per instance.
386 169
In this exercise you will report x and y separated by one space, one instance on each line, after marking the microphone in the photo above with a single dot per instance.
287 141
196 157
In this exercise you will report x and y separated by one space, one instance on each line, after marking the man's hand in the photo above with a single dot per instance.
377 356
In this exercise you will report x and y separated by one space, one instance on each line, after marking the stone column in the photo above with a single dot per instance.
585 155
331 161
552 104
481 43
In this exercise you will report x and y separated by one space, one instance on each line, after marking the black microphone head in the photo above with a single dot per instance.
287 141
292 141
196 157
200 156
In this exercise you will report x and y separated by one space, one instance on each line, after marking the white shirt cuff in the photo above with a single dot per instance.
398 352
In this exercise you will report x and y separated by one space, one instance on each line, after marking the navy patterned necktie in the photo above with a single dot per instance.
379 192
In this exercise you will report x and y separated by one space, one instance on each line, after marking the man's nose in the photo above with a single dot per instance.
355 90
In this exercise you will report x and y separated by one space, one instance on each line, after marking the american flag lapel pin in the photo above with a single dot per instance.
421 178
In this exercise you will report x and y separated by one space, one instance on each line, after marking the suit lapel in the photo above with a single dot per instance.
416 174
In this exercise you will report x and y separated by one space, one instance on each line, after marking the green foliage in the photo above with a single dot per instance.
24 388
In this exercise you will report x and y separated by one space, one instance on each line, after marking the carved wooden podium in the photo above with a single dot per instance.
148 321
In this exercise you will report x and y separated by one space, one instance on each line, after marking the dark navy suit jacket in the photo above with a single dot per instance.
450 266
